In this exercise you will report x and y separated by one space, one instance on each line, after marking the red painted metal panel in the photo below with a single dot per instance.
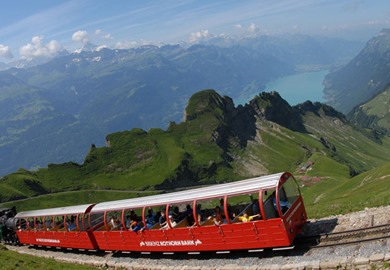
78 240
250 235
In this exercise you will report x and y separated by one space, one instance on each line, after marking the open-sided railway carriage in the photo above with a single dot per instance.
261 212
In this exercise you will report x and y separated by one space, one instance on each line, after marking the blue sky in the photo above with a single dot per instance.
39 28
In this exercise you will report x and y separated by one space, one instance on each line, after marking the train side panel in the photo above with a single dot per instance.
77 240
250 235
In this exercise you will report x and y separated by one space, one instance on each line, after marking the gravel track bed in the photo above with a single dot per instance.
368 255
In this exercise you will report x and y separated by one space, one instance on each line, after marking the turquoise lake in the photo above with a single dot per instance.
296 88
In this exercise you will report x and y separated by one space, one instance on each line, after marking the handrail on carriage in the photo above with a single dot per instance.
241 213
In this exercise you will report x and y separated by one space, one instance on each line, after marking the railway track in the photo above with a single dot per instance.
348 237
322 240
310 244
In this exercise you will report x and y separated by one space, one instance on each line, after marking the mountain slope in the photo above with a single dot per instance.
374 114
363 77
105 91
218 142
98 92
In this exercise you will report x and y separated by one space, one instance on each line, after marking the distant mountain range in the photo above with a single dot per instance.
363 77
53 112
217 142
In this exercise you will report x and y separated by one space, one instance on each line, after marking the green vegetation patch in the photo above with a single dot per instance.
11 260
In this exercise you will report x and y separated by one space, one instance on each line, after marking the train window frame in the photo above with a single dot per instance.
182 218
288 194
39 223
58 223
246 204
204 211
268 207
68 218
155 211
96 216
139 222
113 220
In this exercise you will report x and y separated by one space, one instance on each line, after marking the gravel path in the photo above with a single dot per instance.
370 255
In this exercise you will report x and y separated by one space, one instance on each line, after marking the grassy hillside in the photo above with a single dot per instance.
337 195
11 260
217 142
374 114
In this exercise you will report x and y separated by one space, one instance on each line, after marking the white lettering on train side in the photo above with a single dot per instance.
170 243
47 240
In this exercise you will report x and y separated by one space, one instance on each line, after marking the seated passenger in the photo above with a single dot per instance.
163 219
71 226
128 222
171 221
150 219
188 214
176 215
136 226
115 222
199 213
48 224
222 205
284 205
218 216
247 218
133 215
255 206
38 225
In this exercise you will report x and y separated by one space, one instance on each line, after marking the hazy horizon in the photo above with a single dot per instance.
35 29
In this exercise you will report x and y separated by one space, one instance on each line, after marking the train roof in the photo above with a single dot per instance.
238 187
55 211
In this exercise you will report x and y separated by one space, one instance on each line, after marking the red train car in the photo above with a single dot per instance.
262 212
57 227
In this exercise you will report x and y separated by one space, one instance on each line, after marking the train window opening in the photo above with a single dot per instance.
39 221
80 224
59 223
181 215
244 208
269 204
133 219
288 194
30 223
155 217
23 224
71 223
210 212
114 220
48 223
95 221
152 216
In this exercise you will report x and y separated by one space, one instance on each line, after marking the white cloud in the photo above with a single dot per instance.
253 28
102 35
198 36
5 52
131 44
81 36
38 49
101 47
126 44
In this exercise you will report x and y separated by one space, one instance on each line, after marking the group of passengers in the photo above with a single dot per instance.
48 224
175 216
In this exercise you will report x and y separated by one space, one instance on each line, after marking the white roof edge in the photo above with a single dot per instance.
69 210
218 190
